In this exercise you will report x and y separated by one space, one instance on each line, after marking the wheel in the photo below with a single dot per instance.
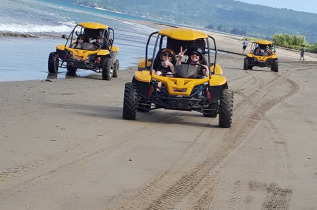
130 103
250 67
71 70
116 68
245 64
226 108
107 69
212 110
53 62
274 66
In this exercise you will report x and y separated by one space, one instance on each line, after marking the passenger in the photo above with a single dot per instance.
78 43
257 51
165 64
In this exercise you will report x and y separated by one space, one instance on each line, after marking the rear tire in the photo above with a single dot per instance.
53 62
274 66
116 66
245 64
226 109
130 103
107 69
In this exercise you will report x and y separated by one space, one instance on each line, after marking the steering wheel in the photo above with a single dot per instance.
202 67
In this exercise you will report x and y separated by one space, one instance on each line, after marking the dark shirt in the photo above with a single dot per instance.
161 68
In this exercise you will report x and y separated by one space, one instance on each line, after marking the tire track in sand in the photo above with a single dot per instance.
15 178
194 189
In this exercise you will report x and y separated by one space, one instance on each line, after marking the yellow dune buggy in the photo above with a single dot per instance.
262 54
187 89
87 55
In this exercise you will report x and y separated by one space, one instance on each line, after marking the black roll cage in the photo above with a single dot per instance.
105 31
160 47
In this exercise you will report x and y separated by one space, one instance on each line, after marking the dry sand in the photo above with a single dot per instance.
64 145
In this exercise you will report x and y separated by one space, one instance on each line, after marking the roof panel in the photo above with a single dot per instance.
184 34
92 25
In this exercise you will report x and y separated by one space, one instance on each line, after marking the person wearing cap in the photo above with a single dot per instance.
165 64
78 43
195 57
99 44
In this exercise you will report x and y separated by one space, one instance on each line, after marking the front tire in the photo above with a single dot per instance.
226 109
53 62
245 64
274 66
107 69
130 103
116 66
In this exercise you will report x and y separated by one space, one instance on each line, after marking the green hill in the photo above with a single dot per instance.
223 15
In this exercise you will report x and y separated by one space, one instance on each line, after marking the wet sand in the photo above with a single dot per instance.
64 144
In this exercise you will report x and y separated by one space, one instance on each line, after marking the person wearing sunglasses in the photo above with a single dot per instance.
99 44
195 57
79 41
165 65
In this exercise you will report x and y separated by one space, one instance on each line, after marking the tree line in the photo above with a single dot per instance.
294 42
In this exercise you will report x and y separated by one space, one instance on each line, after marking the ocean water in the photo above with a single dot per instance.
26 58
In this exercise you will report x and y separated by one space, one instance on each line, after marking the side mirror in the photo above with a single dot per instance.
63 36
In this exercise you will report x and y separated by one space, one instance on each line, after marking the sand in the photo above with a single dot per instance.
64 144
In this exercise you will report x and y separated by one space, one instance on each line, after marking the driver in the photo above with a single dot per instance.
195 57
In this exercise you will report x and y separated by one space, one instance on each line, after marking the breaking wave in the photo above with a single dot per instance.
32 28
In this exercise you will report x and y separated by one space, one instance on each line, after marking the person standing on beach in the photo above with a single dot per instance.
244 45
302 52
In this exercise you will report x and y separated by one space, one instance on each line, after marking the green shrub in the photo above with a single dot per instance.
294 42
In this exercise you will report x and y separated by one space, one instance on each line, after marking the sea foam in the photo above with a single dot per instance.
32 28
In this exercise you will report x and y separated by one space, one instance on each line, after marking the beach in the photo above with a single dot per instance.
64 144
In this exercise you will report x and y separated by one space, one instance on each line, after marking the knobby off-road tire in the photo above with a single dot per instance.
213 112
53 62
245 64
116 66
274 66
107 69
129 102
226 109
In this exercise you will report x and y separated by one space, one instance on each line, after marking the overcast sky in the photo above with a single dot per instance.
299 5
